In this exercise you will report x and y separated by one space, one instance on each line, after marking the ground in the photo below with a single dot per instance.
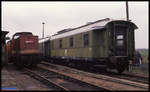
141 69
13 79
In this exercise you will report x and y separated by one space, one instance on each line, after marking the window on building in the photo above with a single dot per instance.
60 43
71 42
86 39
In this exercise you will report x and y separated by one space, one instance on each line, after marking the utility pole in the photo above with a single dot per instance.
127 12
43 38
43 29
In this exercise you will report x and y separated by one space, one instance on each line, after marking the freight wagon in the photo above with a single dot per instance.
104 42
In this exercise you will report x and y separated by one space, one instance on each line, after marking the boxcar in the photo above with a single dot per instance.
104 42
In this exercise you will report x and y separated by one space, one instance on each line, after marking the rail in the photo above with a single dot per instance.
60 82
107 80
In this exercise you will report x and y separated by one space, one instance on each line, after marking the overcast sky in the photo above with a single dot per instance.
28 16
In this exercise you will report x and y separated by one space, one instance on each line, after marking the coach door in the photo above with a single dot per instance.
120 41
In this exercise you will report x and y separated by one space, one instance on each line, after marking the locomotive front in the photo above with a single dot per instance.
25 50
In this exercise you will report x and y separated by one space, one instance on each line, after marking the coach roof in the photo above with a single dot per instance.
100 24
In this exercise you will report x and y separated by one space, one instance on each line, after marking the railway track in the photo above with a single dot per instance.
123 84
129 76
58 81
126 75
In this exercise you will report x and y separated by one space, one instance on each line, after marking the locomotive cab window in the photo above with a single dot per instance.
17 36
71 42
86 39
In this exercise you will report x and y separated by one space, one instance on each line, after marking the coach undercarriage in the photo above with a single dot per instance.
120 63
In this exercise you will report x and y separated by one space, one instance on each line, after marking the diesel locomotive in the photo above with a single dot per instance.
104 42
23 50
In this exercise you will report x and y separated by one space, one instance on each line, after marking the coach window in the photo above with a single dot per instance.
120 40
86 39
52 44
60 43
119 37
71 42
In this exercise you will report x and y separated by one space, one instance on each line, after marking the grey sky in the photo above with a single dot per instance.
28 16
